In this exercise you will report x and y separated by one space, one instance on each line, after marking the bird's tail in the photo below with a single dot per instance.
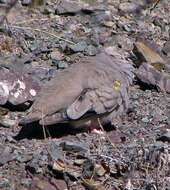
31 117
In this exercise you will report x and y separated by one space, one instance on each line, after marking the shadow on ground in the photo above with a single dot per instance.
35 131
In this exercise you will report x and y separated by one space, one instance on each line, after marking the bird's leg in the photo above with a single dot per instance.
58 117
96 126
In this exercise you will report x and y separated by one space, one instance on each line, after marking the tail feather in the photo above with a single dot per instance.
31 117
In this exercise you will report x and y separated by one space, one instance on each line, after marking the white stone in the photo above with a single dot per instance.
4 88
33 92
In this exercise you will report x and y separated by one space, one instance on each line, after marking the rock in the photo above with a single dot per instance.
145 52
60 184
79 162
42 184
145 120
159 22
6 155
33 46
67 7
28 35
79 47
134 7
128 7
61 64
48 10
38 161
109 24
116 137
55 150
8 122
101 17
56 55
154 76
74 7
165 137
88 169
23 157
63 46
3 1
74 146
166 48
105 37
26 182
91 50
100 171
128 28
4 183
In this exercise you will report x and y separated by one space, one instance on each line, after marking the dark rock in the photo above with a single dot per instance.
55 150
145 120
134 7
166 48
48 10
4 183
6 155
63 46
38 161
51 73
128 7
41 184
60 64
26 182
67 7
60 184
105 37
74 146
79 47
28 35
88 169
159 22
3 1
26 2
10 139
91 50
33 46
100 17
23 157
56 55
165 137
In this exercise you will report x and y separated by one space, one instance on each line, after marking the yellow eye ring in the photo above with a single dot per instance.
116 85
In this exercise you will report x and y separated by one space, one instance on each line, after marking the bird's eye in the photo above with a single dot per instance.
116 85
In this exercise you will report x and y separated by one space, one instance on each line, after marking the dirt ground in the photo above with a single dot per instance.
131 154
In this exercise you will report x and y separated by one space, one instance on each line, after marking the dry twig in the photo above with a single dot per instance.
42 31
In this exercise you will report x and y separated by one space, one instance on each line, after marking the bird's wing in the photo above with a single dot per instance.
107 90
58 94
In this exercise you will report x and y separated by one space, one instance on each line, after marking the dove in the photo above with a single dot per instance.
96 86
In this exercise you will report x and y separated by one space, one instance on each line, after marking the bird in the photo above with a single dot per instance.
95 87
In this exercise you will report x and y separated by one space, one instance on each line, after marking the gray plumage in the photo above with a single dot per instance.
97 84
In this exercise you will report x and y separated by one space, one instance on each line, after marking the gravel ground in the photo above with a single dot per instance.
133 153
